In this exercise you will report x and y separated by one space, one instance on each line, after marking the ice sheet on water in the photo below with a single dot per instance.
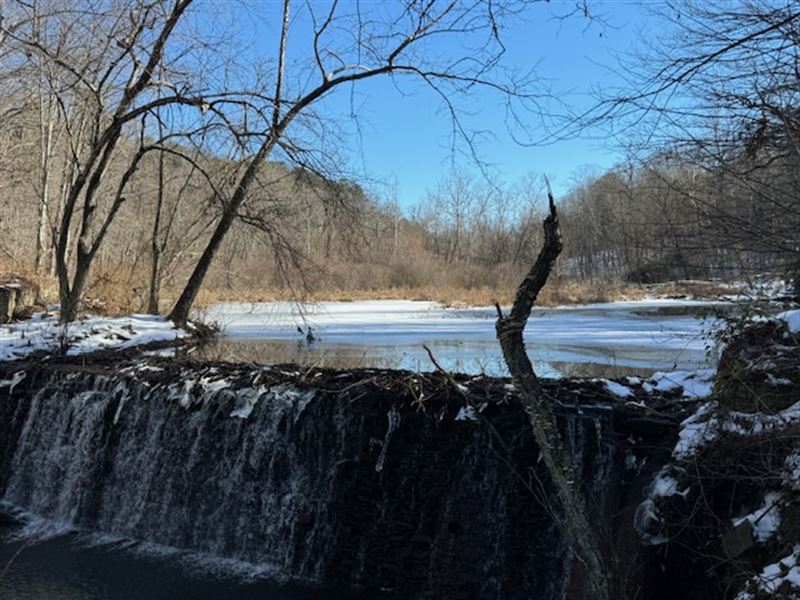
634 334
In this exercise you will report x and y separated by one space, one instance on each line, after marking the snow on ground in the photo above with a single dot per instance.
694 384
617 389
762 288
707 423
764 520
701 428
43 333
772 380
783 576
792 318
664 485
467 413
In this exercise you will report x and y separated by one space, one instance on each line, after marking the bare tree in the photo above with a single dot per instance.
348 48
583 534
103 62
711 112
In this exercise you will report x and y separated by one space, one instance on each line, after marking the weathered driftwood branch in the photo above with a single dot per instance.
584 536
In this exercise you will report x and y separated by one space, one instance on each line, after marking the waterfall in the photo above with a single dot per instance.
357 486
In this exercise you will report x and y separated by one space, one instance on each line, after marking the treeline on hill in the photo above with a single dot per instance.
302 234
85 132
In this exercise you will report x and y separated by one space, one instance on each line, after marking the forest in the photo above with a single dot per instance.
238 363
712 194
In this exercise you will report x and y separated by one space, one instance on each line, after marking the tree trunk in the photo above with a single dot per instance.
155 245
46 125
584 536
180 312
43 229
43 243
153 299
71 298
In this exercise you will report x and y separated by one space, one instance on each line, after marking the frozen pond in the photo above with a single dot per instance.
598 339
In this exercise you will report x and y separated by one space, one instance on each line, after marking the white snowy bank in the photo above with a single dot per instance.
43 333
692 385
782 576
792 318
708 422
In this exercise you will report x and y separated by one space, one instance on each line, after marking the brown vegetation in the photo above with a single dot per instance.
683 208
112 294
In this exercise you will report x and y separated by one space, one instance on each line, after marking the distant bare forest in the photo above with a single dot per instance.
716 197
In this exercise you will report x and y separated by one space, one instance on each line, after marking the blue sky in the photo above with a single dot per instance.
404 138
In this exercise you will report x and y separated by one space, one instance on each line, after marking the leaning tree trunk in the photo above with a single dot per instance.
583 536
180 312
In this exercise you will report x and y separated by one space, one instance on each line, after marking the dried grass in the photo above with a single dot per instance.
557 294
114 293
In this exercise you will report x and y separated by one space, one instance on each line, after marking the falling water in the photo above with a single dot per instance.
361 487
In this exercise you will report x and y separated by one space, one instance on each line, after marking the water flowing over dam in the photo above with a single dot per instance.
390 481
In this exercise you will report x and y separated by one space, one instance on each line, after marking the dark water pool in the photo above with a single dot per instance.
75 567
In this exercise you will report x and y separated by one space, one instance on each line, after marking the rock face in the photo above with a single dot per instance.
380 480
17 297
8 302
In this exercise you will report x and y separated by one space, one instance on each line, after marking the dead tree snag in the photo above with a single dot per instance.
582 534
